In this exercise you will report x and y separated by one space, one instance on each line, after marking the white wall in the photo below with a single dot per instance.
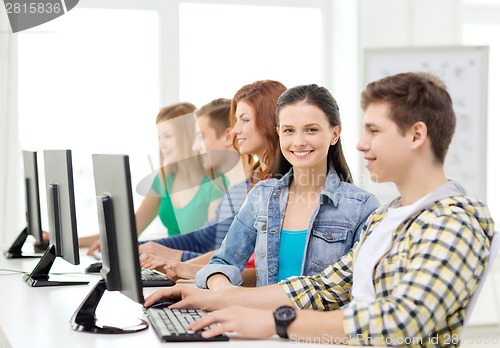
409 22
10 186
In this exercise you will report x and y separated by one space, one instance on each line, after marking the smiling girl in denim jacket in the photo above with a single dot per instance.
309 214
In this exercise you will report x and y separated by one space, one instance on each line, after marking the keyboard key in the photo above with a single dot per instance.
152 278
171 324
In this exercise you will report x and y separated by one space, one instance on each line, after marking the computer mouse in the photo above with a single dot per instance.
94 267
166 302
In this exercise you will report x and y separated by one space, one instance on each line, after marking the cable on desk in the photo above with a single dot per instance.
71 273
11 272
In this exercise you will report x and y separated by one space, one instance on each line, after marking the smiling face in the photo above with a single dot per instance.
387 152
306 136
248 137
167 142
207 141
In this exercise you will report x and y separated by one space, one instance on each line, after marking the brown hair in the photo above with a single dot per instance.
262 97
414 97
217 112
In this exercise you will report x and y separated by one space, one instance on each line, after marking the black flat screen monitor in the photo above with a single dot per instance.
120 256
62 220
33 215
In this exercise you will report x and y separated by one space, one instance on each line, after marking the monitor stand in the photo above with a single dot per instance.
84 318
15 250
40 275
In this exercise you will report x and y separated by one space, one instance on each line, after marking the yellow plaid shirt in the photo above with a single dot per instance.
423 283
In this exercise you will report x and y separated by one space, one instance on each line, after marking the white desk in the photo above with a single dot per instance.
39 317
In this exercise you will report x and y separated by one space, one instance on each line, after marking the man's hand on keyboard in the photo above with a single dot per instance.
96 246
249 322
152 248
151 261
191 297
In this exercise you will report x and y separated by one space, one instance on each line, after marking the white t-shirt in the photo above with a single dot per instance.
373 248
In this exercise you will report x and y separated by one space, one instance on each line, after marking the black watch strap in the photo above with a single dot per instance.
281 330
283 317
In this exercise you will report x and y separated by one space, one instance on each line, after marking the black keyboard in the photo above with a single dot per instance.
170 324
152 278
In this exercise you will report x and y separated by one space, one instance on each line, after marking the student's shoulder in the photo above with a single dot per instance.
460 210
266 183
159 182
454 214
220 183
351 191
458 205
263 188
242 186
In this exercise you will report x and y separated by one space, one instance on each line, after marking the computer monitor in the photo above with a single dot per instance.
62 220
32 205
120 256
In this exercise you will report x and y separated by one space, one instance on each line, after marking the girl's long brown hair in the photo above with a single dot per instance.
262 97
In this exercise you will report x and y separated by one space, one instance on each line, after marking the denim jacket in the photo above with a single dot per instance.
333 229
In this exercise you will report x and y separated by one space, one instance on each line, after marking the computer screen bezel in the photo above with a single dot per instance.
32 210
117 225
118 232
62 221
63 230
32 195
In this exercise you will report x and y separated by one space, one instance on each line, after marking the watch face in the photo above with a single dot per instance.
285 313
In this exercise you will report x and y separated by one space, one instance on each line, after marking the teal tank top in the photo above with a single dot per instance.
291 253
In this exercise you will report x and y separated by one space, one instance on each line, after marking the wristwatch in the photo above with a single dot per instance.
283 316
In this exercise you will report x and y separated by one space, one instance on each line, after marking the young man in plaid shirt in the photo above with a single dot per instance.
418 262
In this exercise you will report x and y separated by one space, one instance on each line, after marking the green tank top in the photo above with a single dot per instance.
193 215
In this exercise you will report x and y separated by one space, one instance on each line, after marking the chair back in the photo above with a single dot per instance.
494 246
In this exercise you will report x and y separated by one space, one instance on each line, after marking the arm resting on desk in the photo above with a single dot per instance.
309 326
